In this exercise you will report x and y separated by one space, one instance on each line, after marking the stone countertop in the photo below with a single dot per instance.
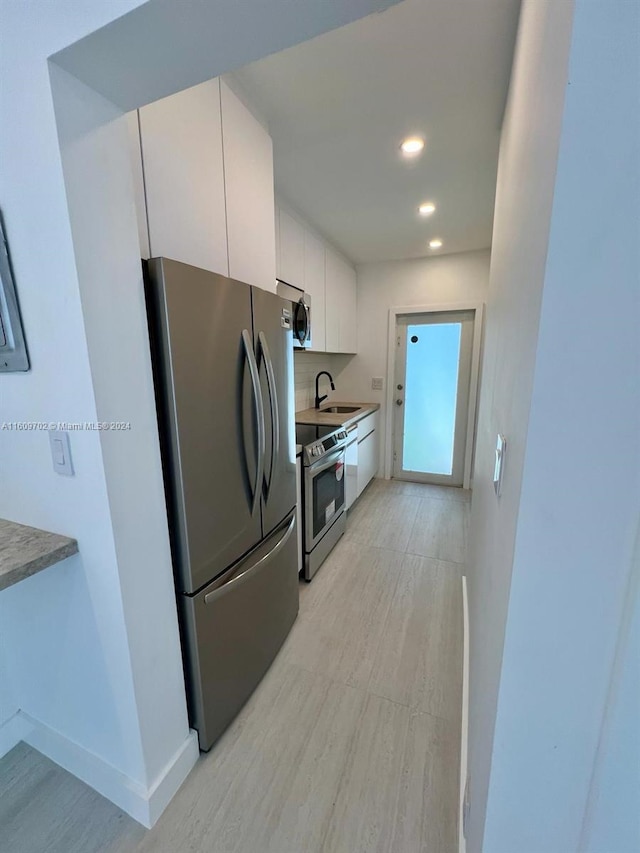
24 551
320 417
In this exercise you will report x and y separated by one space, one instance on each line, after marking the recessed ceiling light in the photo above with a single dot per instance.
435 244
427 208
412 145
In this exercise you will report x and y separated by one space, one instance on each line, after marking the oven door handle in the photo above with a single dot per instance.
322 464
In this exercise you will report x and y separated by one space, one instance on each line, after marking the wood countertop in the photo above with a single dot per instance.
322 417
24 551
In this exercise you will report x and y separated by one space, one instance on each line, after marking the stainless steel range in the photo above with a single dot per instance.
323 458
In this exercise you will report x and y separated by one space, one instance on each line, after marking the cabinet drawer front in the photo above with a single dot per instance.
367 425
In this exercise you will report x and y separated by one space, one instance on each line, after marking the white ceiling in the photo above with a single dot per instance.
339 105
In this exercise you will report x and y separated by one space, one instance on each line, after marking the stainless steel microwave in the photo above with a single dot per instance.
300 313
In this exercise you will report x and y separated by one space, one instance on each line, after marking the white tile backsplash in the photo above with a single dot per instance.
306 366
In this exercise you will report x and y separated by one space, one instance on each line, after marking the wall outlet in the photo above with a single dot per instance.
377 383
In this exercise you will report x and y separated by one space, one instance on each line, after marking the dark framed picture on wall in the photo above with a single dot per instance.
13 348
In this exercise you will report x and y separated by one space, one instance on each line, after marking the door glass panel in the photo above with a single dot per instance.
433 356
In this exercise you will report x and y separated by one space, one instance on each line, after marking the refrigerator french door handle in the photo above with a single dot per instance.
233 581
273 402
255 382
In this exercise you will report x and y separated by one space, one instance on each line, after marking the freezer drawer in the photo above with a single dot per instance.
234 628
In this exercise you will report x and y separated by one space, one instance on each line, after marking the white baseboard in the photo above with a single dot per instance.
464 740
143 804
12 731
172 776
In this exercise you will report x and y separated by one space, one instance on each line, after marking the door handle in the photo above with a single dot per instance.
398 402
257 396
273 404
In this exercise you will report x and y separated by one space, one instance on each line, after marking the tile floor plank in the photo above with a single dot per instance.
364 814
340 637
383 521
427 810
440 530
423 639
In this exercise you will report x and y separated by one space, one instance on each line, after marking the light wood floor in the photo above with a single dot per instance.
351 743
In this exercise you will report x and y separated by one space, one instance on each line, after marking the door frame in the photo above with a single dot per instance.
436 308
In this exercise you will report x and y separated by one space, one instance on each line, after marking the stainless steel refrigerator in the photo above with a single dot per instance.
222 354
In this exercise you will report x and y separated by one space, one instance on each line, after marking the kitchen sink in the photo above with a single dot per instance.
341 410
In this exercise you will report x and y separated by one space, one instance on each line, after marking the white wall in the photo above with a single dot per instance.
94 142
8 704
612 819
449 278
64 629
580 494
526 174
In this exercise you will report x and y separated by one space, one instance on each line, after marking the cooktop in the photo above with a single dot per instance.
309 433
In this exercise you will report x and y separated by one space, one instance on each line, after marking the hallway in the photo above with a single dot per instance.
350 744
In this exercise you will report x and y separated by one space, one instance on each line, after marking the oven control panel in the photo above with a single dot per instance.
322 447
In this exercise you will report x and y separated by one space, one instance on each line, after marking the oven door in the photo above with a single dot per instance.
324 496
302 322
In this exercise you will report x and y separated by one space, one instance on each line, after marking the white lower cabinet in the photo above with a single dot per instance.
368 451
351 464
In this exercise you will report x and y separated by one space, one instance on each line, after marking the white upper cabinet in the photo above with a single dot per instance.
314 285
349 316
333 300
250 203
309 263
291 265
277 218
181 140
340 312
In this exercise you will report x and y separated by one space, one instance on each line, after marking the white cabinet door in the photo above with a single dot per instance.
351 465
314 285
277 224
368 450
248 174
367 460
182 153
333 291
340 304
348 316
291 250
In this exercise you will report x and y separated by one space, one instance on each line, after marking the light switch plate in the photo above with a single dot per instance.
377 383
501 447
61 452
